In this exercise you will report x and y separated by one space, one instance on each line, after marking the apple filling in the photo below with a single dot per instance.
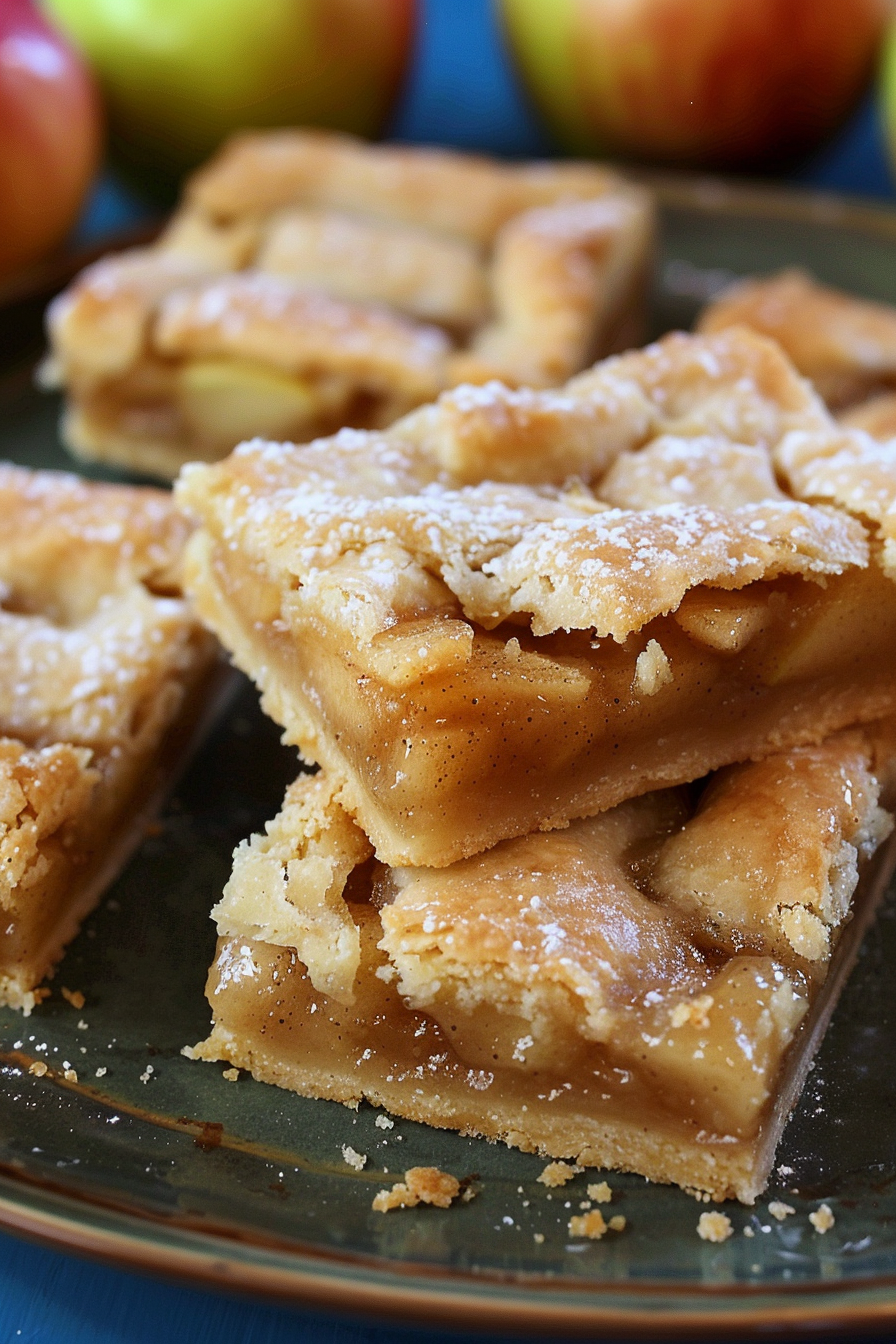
615 993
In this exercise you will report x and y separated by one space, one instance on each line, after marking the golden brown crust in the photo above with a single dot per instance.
460 194
847 346
99 658
99 326
66 542
848 468
168 354
560 276
433 278
557 559
876 417
355 570
261 318
287 885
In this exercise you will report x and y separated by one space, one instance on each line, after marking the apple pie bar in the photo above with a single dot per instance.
102 669
519 607
310 281
643 990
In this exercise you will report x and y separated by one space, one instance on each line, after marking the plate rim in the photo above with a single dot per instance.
401 1292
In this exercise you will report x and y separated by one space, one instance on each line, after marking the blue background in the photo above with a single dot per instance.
460 92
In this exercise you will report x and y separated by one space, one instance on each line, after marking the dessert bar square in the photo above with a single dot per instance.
311 281
520 607
643 990
103 669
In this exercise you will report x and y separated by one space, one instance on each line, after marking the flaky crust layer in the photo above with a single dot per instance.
101 660
365 278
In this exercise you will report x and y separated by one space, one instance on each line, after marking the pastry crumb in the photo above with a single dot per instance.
695 1013
617 1223
73 996
384 1122
748 1231
556 1173
38 1068
231 1075
421 1185
101 1072
653 670
82 1025
779 1210
538 1238
822 1219
600 1192
352 1158
70 1075
714 1227
589 1225
188 1051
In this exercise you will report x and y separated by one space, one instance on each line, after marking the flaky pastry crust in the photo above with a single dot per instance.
405 612
101 661
310 281
846 345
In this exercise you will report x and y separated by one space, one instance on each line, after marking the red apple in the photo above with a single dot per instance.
709 83
178 76
49 135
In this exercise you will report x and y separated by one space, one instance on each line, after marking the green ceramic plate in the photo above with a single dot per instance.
153 1161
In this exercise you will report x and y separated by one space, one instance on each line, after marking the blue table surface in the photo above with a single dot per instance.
462 92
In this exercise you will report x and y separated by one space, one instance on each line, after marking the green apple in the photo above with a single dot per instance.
179 75
710 83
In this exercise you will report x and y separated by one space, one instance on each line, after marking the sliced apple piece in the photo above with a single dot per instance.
225 400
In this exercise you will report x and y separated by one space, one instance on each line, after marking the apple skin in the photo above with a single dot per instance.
888 89
736 84
178 76
50 135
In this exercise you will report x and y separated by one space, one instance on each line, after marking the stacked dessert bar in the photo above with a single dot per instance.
601 688
310 281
